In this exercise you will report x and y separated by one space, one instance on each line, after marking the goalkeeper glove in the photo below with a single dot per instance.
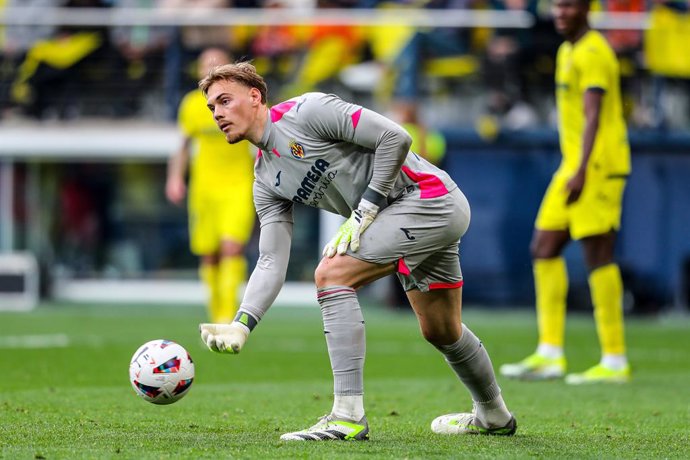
224 338
349 233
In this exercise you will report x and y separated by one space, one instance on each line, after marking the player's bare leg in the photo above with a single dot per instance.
439 313
337 279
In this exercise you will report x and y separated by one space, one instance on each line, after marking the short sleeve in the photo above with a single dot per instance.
594 70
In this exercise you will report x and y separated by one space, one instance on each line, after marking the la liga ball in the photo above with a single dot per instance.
161 371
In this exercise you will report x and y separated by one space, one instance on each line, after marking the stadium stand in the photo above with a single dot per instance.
117 128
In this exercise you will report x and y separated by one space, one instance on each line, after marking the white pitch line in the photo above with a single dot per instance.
34 341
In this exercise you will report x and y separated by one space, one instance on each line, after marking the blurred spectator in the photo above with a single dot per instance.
188 41
299 58
399 59
327 50
512 66
501 70
519 115
275 49
140 54
195 38
16 41
427 142
666 45
425 44
83 225
129 70
626 44
52 78
667 40
537 63
624 41
505 112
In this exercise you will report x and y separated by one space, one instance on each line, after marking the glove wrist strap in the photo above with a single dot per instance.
376 198
246 319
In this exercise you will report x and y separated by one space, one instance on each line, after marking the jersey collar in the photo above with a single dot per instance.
268 139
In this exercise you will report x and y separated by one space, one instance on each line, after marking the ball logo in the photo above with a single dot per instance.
171 365
296 149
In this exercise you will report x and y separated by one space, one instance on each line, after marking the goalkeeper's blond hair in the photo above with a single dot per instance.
243 73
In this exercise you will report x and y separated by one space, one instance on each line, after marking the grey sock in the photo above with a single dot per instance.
343 325
470 361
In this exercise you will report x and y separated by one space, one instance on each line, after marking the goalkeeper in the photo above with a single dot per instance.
406 216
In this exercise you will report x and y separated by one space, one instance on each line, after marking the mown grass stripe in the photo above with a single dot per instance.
34 341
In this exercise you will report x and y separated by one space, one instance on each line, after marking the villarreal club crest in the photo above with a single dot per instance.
296 149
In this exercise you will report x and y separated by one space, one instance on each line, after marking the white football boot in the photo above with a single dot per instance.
328 428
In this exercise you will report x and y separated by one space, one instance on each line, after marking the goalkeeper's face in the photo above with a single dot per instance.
236 110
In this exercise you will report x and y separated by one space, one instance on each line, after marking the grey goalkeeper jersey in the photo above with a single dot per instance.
321 151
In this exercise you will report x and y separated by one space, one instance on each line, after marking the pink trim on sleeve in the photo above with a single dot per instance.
281 109
355 118
429 185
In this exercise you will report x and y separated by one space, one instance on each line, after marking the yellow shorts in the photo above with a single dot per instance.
596 212
214 219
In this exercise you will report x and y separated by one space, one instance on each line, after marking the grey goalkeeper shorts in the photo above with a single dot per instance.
421 237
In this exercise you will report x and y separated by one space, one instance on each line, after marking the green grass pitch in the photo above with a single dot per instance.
64 389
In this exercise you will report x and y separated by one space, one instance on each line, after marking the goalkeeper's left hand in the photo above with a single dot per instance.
224 338
349 233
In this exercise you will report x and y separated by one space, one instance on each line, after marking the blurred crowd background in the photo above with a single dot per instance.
503 68
484 90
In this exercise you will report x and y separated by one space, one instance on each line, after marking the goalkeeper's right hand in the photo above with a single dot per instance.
224 338
350 232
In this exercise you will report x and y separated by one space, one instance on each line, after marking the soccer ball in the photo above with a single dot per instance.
161 371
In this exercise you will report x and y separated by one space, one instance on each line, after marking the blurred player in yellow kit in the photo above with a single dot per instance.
583 202
221 209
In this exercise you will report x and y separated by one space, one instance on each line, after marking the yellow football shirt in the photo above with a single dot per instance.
591 63
216 166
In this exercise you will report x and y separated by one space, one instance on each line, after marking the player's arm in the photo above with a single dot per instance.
263 287
266 280
592 107
336 119
175 187
268 277
595 80
391 144
332 118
